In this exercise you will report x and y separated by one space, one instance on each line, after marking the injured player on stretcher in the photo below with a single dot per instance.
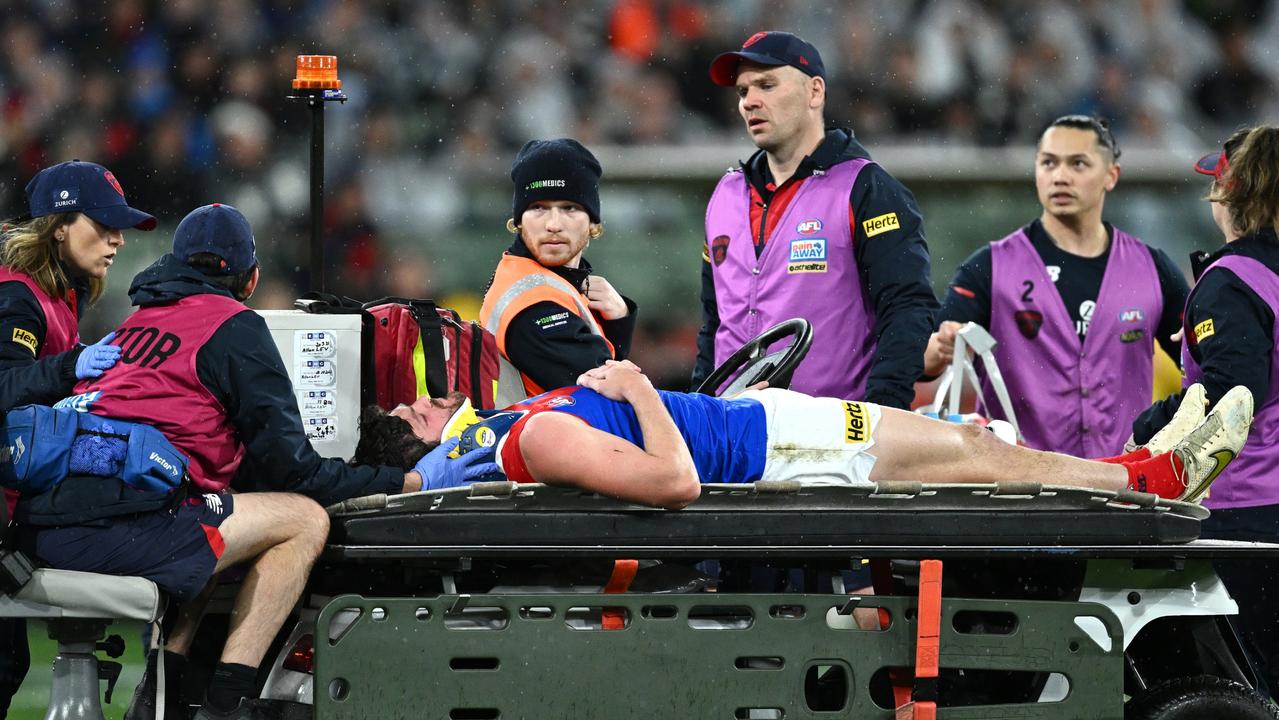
614 434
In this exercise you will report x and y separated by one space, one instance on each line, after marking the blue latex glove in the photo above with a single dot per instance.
96 358
439 471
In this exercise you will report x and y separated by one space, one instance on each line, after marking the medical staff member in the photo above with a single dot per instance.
1231 338
553 317
201 367
53 265
1075 303
810 226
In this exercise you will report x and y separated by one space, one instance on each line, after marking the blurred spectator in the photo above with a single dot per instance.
1234 92
352 246
168 182
533 82
961 46
187 95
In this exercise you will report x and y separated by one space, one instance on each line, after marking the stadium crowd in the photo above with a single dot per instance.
184 97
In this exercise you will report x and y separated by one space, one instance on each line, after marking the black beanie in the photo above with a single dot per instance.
556 170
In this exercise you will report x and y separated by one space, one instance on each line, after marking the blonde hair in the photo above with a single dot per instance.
1250 187
31 248
594 233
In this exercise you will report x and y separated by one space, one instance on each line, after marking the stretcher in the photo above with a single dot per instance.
1018 600
527 601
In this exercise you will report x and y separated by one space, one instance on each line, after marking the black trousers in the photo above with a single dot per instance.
15 658
1254 584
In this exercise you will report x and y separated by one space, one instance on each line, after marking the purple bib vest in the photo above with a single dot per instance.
62 330
807 269
1249 480
155 382
1071 399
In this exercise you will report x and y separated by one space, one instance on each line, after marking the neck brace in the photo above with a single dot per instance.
462 419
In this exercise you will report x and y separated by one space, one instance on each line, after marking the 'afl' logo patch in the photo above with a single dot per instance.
1132 315
808 227
562 401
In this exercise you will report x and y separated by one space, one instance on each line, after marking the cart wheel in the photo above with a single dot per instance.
1205 697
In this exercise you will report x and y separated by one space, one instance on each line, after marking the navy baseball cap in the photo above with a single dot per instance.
218 229
85 187
768 48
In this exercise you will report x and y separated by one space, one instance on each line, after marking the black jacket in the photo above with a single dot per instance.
894 269
554 353
24 379
1239 352
242 368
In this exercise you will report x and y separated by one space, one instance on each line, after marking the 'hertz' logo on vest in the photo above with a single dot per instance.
1204 330
24 337
539 184
807 255
881 224
856 423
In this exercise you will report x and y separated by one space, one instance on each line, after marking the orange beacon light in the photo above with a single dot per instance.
317 72
317 83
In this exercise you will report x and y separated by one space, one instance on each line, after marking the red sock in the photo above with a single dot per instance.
1140 453
1160 475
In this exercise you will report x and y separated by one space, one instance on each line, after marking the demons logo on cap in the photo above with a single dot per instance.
754 39
114 183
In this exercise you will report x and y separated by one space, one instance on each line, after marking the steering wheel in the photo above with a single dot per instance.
750 364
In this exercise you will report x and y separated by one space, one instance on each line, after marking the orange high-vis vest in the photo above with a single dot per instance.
520 283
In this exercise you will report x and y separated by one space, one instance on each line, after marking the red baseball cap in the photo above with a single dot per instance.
1214 165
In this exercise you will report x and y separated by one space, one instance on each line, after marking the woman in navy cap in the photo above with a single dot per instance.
54 263
1231 337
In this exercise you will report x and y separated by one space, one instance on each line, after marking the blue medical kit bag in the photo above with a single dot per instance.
43 445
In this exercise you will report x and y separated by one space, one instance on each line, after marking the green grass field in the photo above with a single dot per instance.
33 698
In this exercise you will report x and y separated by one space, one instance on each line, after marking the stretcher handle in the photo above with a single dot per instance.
951 383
